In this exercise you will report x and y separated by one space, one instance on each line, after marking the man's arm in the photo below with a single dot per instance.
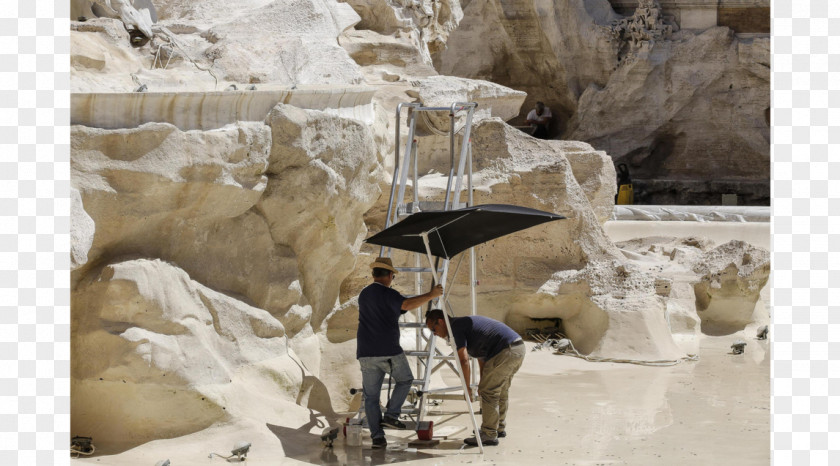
546 116
419 300
464 358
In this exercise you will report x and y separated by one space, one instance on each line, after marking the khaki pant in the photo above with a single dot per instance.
493 389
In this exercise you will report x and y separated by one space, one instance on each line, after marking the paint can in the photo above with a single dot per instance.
424 430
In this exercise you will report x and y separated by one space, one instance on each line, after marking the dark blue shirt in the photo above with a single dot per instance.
484 337
379 313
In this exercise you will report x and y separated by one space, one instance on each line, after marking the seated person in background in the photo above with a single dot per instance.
540 117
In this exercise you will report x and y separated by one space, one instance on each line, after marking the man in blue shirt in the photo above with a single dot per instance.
378 346
500 352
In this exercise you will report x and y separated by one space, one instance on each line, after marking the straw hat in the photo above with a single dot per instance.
383 263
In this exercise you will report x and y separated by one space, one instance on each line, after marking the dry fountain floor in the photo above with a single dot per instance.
563 410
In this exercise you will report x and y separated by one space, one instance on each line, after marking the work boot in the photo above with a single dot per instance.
393 422
380 442
484 441
502 434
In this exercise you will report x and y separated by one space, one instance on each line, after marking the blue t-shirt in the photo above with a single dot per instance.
379 313
484 337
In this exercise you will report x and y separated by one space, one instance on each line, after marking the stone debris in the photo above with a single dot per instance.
738 346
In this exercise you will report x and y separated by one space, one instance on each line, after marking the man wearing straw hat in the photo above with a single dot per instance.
378 346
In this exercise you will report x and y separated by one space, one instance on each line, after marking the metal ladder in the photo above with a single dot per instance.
430 358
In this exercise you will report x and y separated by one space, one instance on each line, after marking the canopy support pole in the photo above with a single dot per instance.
451 340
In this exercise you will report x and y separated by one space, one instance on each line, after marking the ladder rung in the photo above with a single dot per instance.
433 391
442 396
416 269
425 354
409 207
412 325
413 382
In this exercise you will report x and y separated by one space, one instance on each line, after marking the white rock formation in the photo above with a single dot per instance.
727 292
425 23
81 231
647 97
658 111
157 355
551 50
608 310
297 44
321 184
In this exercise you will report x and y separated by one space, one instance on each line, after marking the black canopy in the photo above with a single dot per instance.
453 231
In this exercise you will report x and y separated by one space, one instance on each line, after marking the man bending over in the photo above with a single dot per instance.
500 352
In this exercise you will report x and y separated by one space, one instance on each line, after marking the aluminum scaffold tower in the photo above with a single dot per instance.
430 359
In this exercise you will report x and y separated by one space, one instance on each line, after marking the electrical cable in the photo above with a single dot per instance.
655 363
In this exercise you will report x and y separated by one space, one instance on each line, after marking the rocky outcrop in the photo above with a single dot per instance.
157 355
551 50
658 111
426 24
220 218
81 231
649 95
731 278
608 309
321 226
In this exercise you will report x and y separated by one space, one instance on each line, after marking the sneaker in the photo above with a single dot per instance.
380 442
474 443
393 422
502 434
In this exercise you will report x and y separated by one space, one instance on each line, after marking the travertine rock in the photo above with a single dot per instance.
154 190
81 231
493 100
673 106
378 54
608 310
227 254
426 24
320 185
595 173
156 354
297 44
551 50
669 118
731 278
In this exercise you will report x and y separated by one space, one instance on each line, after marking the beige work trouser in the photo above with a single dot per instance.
493 389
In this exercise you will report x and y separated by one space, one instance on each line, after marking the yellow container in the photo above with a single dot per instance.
625 194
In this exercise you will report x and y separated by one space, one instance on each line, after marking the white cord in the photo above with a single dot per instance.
79 452
658 363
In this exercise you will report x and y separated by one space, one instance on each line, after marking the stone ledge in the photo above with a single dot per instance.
211 110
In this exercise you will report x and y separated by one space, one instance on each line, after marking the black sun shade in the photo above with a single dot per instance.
452 231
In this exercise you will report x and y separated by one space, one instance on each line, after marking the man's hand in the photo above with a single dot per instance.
417 301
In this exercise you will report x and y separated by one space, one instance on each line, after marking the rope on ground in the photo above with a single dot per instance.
565 346
80 452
